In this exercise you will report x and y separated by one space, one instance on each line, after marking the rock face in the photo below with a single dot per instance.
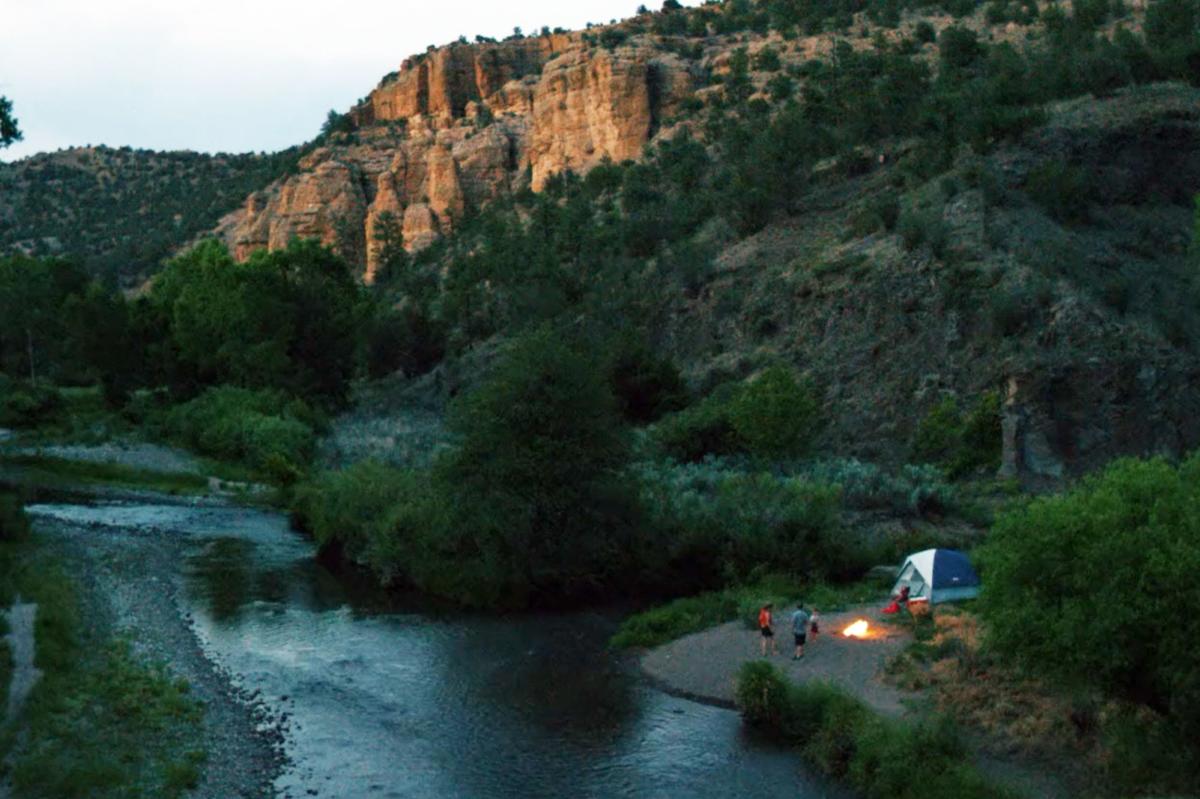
458 127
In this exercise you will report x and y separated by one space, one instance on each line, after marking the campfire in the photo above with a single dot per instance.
859 629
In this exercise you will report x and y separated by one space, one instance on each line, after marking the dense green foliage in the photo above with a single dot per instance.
245 351
284 320
534 485
771 416
1098 588
531 503
46 307
717 527
537 500
265 430
882 758
122 211
962 443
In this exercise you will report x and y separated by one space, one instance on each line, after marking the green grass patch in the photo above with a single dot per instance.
692 614
101 723
56 472
109 726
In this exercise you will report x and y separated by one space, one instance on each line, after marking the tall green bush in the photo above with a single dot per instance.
962 443
370 514
1097 587
776 415
261 429
538 501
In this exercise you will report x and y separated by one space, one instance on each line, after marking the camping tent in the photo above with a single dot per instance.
938 575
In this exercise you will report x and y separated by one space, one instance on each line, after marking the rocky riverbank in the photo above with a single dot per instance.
129 584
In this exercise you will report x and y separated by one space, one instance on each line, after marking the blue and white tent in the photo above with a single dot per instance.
938 575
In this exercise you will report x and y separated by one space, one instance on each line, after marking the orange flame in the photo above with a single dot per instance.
859 629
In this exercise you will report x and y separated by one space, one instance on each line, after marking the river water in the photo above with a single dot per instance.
390 697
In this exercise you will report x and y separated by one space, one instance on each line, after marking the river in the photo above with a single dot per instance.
388 696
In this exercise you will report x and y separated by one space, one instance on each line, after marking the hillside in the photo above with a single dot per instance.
926 210
122 211
914 207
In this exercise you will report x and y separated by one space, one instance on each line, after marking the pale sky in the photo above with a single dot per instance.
228 75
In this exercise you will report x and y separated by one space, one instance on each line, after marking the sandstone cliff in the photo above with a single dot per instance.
459 126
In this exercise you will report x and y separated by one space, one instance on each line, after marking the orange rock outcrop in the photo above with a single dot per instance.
462 125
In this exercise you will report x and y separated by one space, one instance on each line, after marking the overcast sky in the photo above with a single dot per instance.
227 75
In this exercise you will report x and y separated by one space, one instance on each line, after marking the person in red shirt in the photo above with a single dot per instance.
764 627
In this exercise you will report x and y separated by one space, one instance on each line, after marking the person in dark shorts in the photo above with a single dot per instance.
764 628
800 621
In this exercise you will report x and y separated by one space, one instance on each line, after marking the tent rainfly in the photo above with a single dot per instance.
938 575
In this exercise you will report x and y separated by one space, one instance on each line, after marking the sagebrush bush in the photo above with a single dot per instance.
914 489
719 525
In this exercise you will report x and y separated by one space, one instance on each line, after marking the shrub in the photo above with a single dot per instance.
775 415
535 488
913 490
365 514
959 47
27 404
718 525
962 444
1097 588
14 524
762 694
701 430
646 386
883 758
924 32
260 429
1063 191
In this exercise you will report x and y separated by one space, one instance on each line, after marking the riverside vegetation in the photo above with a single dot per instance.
594 450
100 722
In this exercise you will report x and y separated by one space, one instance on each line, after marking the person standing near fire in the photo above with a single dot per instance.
800 620
766 631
